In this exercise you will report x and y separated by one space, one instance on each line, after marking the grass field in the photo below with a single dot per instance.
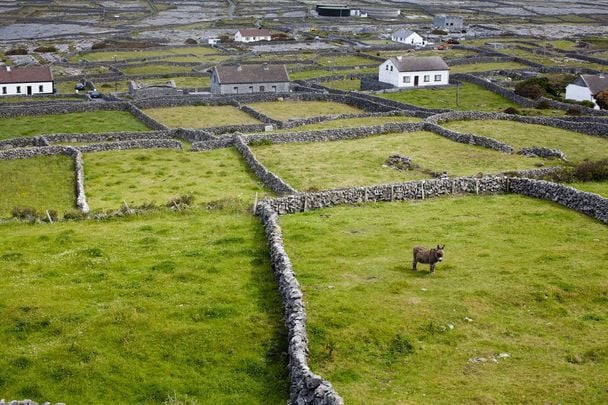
139 310
346 84
201 116
71 123
311 74
344 60
597 187
471 97
42 183
350 123
139 176
323 165
575 145
157 68
294 109
483 67
99 56
521 276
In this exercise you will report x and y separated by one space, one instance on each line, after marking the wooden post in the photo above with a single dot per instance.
255 203
49 216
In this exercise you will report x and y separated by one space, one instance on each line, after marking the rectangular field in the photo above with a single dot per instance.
576 146
597 187
323 165
99 56
514 314
141 310
71 123
42 183
201 116
350 123
290 109
139 176
467 97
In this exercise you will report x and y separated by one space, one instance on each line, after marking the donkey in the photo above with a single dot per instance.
431 257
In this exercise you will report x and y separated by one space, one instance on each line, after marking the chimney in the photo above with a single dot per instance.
8 68
265 66
239 68
399 58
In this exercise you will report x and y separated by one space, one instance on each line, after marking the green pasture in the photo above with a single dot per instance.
351 123
294 109
597 187
72 123
139 176
201 116
575 145
313 73
111 56
516 313
323 165
344 84
344 60
484 67
141 310
467 97
42 183
157 68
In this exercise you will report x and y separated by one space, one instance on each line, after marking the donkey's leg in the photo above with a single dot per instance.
432 268
414 263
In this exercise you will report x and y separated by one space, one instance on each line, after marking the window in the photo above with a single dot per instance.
427 78
3 90
437 78
274 89
18 89
386 67
40 89
391 68
262 89
406 79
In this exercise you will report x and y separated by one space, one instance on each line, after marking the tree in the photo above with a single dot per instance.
602 99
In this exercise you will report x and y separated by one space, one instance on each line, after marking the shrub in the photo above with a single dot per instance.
190 41
43 49
16 51
573 111
512 110
588 103
99 45
183 201
261 142
592 170
602 99
543 105
529 90
74 215
28 213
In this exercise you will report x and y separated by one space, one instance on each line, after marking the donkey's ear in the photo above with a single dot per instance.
438 247
443 247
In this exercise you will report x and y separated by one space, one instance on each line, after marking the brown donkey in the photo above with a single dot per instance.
431 257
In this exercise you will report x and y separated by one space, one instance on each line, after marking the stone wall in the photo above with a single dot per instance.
23 142
373 84
81 198
468 138
60 108
138 144
305 386
145 118
270 180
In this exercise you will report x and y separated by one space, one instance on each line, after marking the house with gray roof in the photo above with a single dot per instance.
26 80
405 36
249 78
586 87
414 71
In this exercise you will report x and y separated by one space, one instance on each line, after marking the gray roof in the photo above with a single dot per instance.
240 74
403 33
417 63
595 83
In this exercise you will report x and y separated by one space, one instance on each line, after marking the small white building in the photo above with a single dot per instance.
585 87
252 35
408 37
405 72
213 41
27 80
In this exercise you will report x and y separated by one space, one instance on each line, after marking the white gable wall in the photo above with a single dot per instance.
412 79
412 39
23 89
580 93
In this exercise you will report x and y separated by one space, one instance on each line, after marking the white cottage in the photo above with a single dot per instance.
27 80
404 72
408 37
252 35
585 87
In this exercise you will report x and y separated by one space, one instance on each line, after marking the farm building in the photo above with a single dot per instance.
242 79
408 37
586 87
448 23
337 10
252 35
405 72
26 80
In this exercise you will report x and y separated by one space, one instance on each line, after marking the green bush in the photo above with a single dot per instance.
74 215
261 142
28 213
588 103
43 49
543 105
16 51
512 110
573 111
592 170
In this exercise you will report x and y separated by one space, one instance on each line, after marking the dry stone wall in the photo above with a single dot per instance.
469 138
138 144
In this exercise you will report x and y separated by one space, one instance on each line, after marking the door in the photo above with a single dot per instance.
29 90
415 80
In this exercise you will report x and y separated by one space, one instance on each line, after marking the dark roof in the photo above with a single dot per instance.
596 83
403 33
239 74
26 74
415 63
254 32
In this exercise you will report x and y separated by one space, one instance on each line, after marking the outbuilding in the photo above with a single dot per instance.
408 37
243 79
412 71
27 80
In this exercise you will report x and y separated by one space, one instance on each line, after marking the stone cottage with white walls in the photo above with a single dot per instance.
26 80
244 79
412 71
408 37
252 35
585 87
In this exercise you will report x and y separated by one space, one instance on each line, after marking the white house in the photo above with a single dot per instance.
407 37
252 35
585 87
27 80
405 72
